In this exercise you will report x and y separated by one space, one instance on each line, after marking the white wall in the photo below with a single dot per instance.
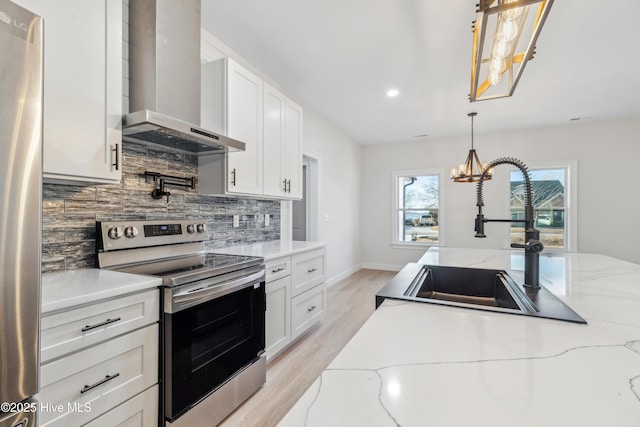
339 164
608 203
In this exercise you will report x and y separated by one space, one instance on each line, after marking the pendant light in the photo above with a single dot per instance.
504 40
471 169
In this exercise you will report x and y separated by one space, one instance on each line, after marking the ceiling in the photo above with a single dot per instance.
340 58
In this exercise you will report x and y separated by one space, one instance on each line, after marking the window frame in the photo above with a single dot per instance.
395 225
571 193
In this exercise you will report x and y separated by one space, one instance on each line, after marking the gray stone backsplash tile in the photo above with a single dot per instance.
69 212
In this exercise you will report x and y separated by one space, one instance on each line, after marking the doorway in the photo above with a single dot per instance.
304 215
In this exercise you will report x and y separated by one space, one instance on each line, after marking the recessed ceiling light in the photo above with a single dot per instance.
391 93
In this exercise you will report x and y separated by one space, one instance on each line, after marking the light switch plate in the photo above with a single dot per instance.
267 220
236 221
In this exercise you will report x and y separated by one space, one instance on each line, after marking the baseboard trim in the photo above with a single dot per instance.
346 273
378 266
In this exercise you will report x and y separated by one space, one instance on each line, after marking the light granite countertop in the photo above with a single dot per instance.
62 290
271 250
415 364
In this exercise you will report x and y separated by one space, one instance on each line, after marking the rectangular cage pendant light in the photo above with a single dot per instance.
504 38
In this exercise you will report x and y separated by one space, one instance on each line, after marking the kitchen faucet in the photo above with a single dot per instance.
532 246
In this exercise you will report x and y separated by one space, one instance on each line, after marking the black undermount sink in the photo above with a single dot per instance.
475 288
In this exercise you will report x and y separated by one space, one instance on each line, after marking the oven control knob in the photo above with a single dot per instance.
202 228
131 232
115 232
191 228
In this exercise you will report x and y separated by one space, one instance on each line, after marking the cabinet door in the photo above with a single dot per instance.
82 89
244 123
278 316
274 142
293 150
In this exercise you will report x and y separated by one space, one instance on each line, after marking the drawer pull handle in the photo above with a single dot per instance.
311 270
97 325
277 270
106 379
313 307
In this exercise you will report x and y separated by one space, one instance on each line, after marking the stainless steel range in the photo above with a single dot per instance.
213 320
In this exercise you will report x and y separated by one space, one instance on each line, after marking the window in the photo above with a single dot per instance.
417 208
551 201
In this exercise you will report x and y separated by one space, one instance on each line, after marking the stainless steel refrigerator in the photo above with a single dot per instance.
20 210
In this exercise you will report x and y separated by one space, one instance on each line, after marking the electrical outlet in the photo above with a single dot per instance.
267 220
236 221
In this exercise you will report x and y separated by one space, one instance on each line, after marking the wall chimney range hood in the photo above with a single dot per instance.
164 79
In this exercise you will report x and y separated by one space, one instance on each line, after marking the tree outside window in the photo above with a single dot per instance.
418 213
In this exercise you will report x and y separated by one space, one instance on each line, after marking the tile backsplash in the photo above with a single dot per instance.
69 212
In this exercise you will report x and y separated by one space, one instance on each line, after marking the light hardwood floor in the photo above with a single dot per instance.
350 302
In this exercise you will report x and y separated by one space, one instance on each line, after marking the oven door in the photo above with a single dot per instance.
214 331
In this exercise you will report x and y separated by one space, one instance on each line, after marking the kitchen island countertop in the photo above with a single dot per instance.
416 364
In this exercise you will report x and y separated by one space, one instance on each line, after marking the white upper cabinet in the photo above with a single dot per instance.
82 89
274 142
231 103
244 123
282 145
240 105
292 168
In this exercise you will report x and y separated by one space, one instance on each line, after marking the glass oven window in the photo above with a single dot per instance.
210 342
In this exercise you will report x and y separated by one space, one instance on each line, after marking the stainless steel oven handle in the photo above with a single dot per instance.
222 288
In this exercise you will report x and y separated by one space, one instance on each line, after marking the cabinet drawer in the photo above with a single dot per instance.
308 270
278 268
139 411
73 330
307 309
86 384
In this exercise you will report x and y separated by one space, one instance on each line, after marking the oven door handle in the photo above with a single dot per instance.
218 290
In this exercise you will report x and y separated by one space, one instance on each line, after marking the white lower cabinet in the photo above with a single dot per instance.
278 316
296 297
110 363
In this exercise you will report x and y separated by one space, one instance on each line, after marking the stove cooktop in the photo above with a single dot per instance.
210 263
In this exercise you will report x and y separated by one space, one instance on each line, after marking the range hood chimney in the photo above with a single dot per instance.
164 79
